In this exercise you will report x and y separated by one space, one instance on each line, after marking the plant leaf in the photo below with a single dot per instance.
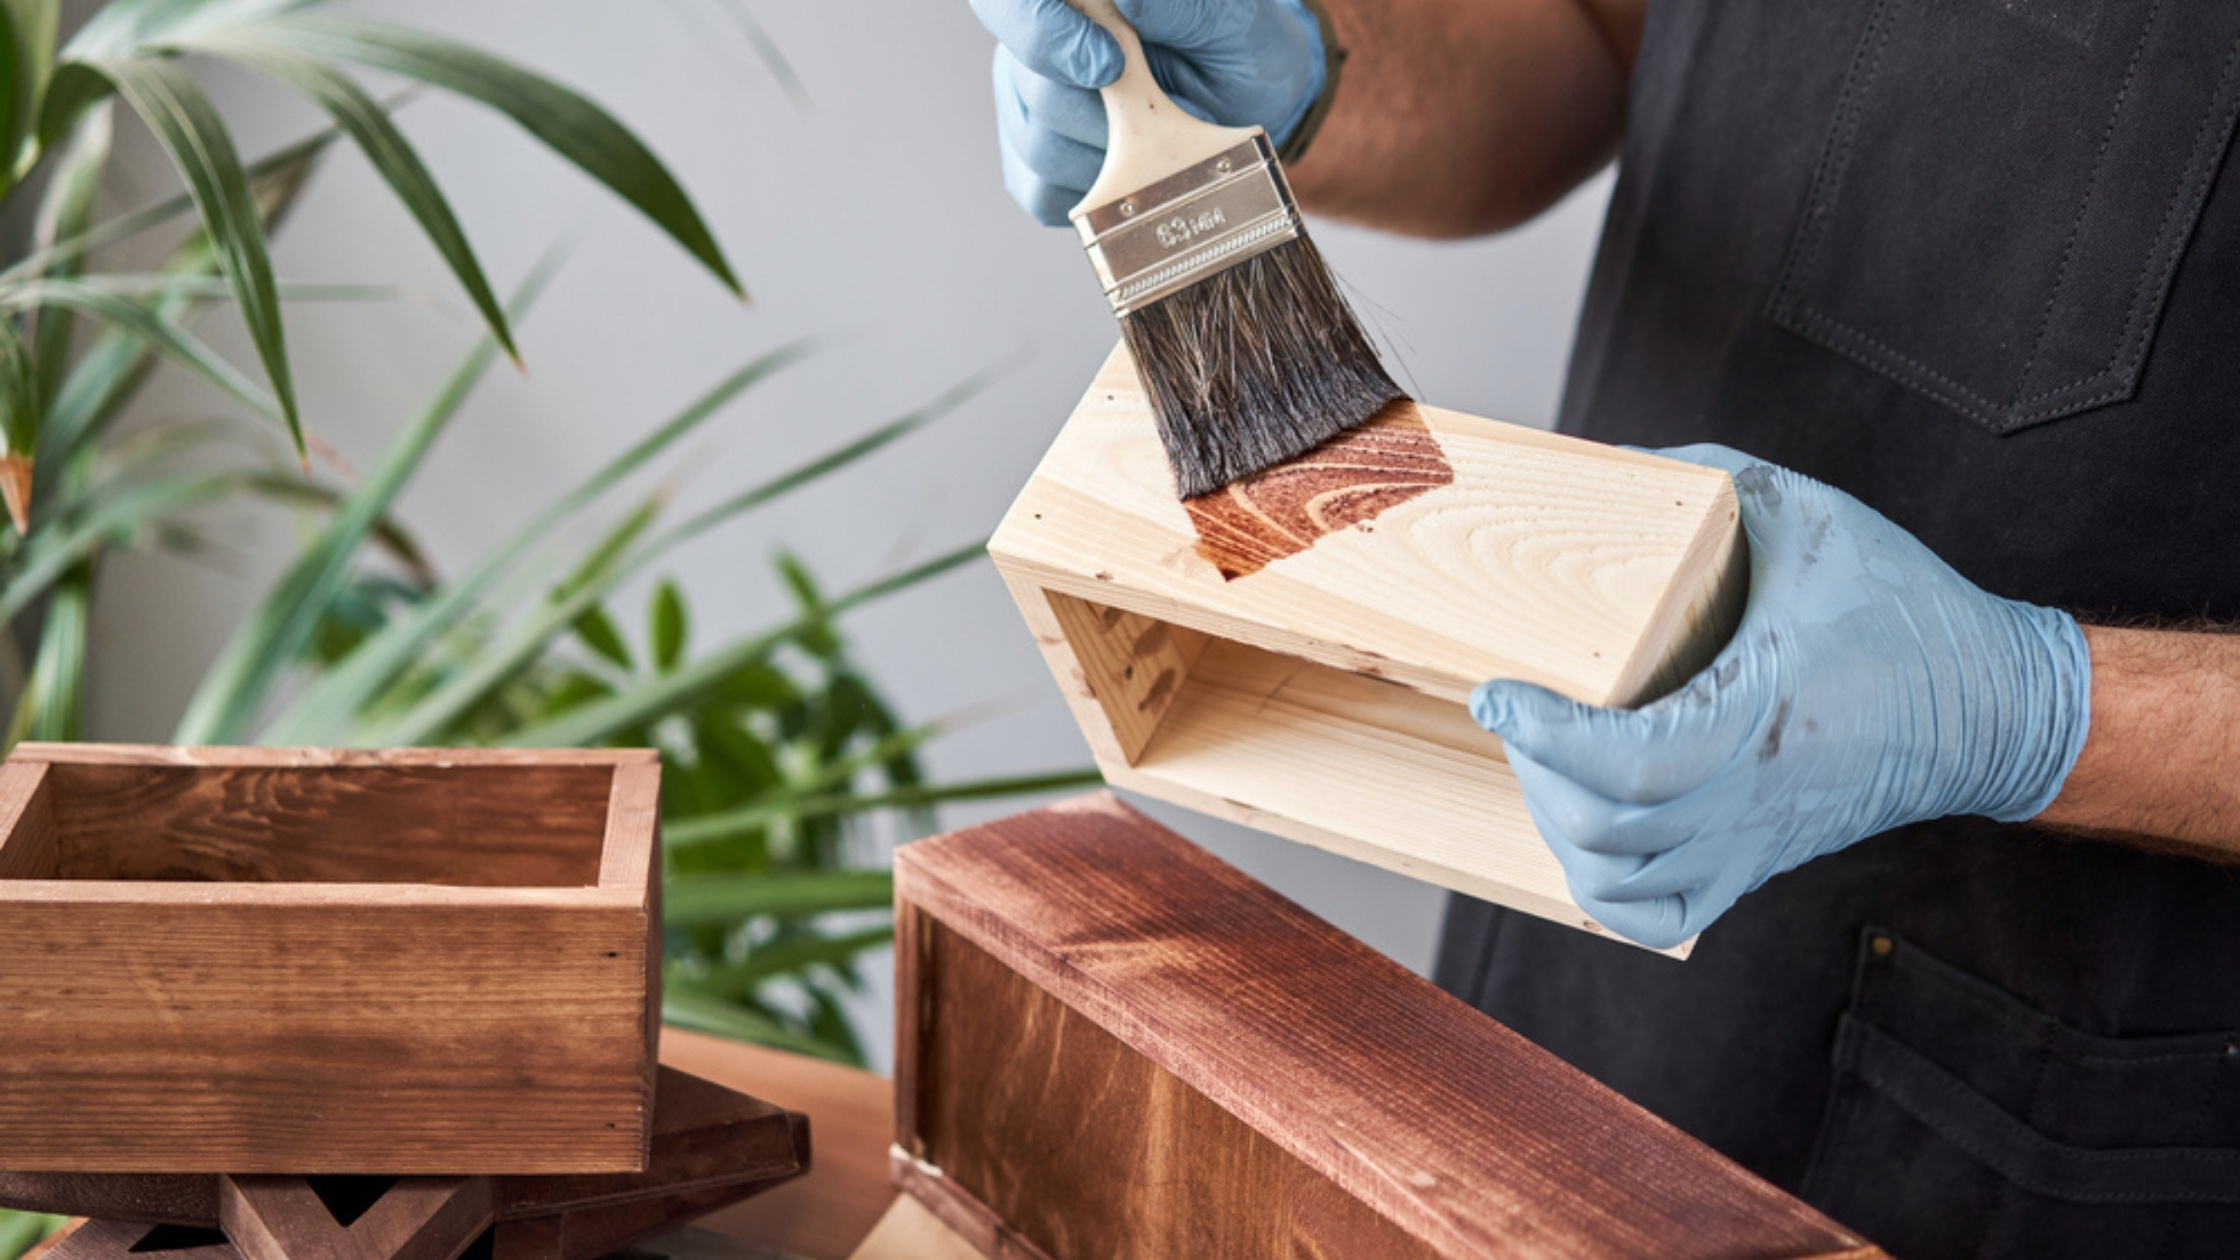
720 1018
19 392
191 132
19 423
729 825
667 622
53 549
778 958
53 701
235 687
358 113
20 1230
123 27
598 632
281 164
148 326
504 661
322 712
595 722
28 27
687 900
569 123
65 210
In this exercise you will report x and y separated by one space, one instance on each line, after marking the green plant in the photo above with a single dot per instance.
777 749
70 491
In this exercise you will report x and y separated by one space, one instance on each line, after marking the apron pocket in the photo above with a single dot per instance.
2005 192
1964 1123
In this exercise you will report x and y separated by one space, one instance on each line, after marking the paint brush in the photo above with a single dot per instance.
1248 352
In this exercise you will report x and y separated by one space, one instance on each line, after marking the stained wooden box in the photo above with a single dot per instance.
1109 1043
286 961
1296 653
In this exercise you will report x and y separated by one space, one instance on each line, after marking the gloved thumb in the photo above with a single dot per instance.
1635 756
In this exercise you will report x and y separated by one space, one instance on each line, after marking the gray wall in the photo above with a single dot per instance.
872 218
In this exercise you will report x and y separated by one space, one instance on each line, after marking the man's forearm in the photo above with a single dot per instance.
2161 763
1456 117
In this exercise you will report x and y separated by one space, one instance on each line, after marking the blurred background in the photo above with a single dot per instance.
845 159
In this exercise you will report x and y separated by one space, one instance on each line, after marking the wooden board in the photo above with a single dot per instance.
825 1214
910 1231
712 1147
1109 1043
1608 575
279 961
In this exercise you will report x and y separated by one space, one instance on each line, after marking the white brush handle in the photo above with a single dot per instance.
1151 138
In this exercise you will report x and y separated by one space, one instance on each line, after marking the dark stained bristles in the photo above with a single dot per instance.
1255 364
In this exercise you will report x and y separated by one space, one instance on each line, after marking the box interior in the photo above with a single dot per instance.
540 826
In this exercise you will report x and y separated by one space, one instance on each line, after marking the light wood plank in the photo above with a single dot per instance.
910 1232
1609 575
1547 558
1134 666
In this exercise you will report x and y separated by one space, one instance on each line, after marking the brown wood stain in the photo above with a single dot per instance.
1248 525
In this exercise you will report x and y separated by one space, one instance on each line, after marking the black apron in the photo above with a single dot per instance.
1978 263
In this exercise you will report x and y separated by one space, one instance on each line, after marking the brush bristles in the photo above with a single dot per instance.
1256 364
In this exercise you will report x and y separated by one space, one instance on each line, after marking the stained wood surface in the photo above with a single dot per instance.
1548 558
825 1214
1462 1135
1214 651
705 1137
1345 483
712 1147
223 960
1042 1116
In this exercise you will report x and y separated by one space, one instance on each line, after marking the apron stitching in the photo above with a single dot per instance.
2169 243
2091 195
1835 161
2166 247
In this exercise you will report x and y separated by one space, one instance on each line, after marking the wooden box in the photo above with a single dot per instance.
284 961
1295 653
1111 1044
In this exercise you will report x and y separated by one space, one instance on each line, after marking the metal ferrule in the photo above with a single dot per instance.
1190 225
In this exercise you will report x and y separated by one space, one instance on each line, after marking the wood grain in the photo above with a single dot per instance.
1085 1147
283 1218
706 1140
1135 666
1081 952
1548 558
229 964
825 1214
1345 483
1496 551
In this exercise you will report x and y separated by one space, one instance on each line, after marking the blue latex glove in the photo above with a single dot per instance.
1235 62
1868 686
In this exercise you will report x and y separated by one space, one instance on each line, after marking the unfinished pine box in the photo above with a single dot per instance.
1296 653
1111 1044
285 961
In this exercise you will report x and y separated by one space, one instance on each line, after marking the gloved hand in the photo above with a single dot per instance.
1868 686
1235 62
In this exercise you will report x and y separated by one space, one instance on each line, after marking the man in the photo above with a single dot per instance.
1975 263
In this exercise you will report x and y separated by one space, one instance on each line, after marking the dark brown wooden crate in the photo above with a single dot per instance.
306 961
1112 1044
